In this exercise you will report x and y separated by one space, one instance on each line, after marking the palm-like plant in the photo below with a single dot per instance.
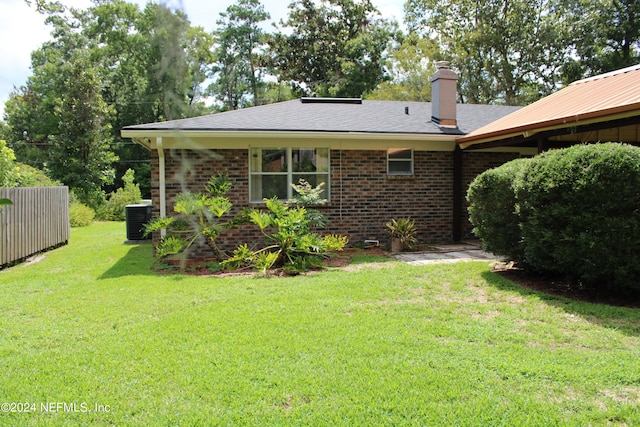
199 217
403 231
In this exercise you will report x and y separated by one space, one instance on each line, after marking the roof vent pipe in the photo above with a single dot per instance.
444 87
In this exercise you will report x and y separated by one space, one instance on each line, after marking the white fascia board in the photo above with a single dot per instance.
177 139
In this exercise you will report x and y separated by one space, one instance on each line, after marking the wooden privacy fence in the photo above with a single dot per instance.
37 220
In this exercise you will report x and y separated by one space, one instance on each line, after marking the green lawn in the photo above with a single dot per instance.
90 336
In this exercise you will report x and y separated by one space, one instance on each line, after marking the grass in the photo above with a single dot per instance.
385 344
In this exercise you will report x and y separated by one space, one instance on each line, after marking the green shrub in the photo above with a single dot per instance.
8 169
15 174
28 176
94 198
80 215
115 208
579 211
199 218
492 209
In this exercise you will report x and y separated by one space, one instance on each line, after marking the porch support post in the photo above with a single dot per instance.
162 183
543 145
457 194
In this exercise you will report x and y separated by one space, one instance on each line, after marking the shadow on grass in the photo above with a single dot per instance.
137 262
624 319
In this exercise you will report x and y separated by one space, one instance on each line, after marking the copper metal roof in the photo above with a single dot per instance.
605 97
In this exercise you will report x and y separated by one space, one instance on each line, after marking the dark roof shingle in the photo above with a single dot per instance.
367 117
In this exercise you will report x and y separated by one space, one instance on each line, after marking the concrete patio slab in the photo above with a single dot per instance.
447 253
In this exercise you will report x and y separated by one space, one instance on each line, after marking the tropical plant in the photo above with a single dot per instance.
307 195
290 241
287 228
198 219
403 231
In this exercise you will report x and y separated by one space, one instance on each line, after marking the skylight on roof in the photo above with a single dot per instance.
312 100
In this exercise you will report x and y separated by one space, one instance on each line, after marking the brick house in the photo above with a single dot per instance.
378 159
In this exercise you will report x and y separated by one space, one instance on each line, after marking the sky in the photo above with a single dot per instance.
22 30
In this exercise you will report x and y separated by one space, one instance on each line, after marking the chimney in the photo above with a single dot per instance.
444 86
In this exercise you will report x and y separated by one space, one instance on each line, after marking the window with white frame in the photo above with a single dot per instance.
400 161
273 170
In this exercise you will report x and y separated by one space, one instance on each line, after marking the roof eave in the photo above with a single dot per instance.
145 137
529 130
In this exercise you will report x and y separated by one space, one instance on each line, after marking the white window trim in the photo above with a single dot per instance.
411 160
290 172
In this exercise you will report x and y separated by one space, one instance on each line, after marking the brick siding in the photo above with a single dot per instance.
363 196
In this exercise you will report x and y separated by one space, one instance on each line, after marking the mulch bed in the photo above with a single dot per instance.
557 286
199 267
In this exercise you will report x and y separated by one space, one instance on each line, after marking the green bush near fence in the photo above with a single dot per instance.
80 215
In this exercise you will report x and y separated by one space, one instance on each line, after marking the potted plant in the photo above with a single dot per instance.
403 234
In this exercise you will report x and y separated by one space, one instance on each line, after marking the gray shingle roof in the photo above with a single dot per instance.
367 117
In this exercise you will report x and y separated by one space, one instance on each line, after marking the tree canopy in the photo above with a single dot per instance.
334 47
238 69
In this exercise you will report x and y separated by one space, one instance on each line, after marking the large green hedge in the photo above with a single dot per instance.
492 202
578 214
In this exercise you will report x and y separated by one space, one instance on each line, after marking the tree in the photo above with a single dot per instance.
154 65
412 66
30 110
80 152
606 36
334 48
150 63
237 69
199 55
168 73
506 51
